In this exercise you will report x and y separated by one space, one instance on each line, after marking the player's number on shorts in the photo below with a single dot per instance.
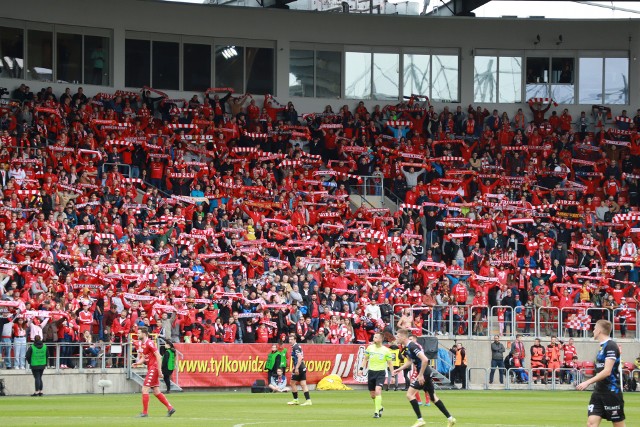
591 408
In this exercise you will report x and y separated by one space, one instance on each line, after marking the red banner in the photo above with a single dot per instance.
239 365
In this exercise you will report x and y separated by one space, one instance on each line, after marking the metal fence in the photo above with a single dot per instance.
69 355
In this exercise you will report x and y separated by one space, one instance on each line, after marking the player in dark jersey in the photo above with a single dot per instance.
606 400
151 357
422 380
299 375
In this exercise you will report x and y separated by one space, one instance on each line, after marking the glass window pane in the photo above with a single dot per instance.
537 70
562 94
328 74
590 81
69 58
444 86
485 73
11 52
260 70
386 76
166 65
137 63
415 75
301 73
562 70
96 60
616 80
357 69
510 79
230 67
40 55
196 71
537 90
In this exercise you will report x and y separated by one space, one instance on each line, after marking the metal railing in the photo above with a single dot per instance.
122 168
498 326
69 355
545 320
370 190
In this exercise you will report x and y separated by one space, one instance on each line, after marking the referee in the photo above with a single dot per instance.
377 358
606 400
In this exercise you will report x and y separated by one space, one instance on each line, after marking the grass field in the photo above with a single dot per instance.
346 408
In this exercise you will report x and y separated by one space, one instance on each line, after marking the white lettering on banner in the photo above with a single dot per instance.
344 368
340 368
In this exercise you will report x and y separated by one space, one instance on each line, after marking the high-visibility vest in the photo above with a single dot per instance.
395 354
459 360
38 356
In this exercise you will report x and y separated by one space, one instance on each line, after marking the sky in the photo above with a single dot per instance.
548 9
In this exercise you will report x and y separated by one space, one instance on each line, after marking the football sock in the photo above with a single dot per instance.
164 400
307 396
418 398
378 403
426 397
416 408
442 408
145 403
295 395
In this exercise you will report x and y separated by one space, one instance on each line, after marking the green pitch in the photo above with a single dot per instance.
346 408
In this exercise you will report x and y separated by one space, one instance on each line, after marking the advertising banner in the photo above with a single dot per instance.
239 365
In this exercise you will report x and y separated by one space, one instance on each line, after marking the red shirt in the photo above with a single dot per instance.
149 351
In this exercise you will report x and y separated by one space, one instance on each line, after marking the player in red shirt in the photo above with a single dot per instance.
153 360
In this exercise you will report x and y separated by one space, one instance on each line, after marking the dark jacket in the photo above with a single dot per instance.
497 349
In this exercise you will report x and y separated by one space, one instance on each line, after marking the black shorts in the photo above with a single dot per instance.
302 375
376 379
608 406
427 386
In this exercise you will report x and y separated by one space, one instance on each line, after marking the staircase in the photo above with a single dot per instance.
441 382
137 378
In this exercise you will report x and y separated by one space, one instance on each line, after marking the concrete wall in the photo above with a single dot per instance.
19 382
284 27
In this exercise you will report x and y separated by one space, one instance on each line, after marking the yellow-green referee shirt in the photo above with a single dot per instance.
378 357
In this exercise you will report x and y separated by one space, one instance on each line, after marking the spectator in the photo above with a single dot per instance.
278 382
497 359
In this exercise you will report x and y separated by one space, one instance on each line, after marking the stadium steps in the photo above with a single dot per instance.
140 380
440 382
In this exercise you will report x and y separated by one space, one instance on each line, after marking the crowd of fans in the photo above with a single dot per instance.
220 220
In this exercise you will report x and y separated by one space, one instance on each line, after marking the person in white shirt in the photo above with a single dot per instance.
35 328
372 311
628 249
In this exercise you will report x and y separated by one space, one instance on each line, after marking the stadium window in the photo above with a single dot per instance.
485 78
69 58
97 60
415 74
137 63
166 65
444 78
386 76
603 80
357 70
196 67
616 81
328 74
301 73
229 67
11 52
40 55
509 79
260 70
